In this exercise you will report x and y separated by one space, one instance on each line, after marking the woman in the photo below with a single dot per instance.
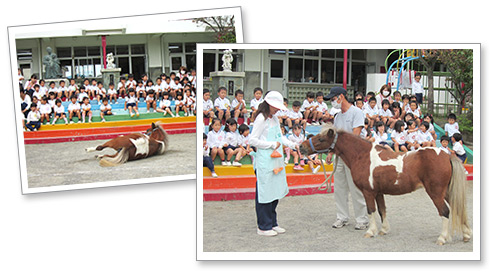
266 136
384 94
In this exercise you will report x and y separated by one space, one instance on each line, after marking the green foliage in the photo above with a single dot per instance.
223 26
465 122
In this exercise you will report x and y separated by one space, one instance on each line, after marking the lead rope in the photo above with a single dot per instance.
328 180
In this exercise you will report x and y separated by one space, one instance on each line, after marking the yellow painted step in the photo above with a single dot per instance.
248 170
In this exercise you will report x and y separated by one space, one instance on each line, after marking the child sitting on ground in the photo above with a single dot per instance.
412 136
86 110
458 149
164 106
59 112
33 123
313 160
105 109
415 111
428 117
381 137
451 127
232 140
371 112
399 137
424 136
445 143
131 102
206 160
297 137
180 104
216 140
254 103
385 114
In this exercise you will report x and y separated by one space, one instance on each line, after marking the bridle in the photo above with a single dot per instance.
328 150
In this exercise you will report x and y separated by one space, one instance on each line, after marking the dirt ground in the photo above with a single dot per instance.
68 163
230 226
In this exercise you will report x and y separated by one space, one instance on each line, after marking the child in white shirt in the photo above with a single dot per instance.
244 142
207 104
164 106
101 92
82 94
112 93
254 103
444 144
308 108
45 110
412 136
140 90
451 127
72 89
74 109
424 136
131 103
295 115
150 100
399 137
86 110
458 148
371 112
297 137
231 146
190 102
238 107
321 109
59 112
216 140
222 105
61 89
32 122
180 104
381 137
105 109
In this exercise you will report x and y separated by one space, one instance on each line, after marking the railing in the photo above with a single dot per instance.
298 91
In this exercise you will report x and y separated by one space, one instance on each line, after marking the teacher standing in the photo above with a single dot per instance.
266 136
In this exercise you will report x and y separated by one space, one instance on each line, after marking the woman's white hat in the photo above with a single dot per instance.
275 99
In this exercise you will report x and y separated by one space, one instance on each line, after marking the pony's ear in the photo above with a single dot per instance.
330 133
153 125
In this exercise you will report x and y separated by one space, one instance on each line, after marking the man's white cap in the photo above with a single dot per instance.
275 99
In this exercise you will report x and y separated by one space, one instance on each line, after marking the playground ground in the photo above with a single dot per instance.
67 163
230 226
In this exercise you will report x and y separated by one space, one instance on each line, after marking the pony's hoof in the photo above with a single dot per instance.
368 235
383 233
466 239
441 241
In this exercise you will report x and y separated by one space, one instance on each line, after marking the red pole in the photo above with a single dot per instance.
345 69
104 51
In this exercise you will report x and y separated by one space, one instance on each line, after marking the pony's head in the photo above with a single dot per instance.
323 142
156 132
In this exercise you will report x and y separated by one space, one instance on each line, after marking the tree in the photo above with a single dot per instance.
223 26
429 58
459 63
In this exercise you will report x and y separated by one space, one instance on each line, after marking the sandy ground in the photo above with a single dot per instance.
68 163
415 225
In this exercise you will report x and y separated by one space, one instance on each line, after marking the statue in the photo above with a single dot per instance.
52 65
110 61
227 60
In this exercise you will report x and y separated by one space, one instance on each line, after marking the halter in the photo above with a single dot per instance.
149 133
329 149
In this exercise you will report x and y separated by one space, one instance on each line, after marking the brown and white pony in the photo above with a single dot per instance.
377 170
133 146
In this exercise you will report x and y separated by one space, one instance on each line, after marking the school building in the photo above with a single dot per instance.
294 72
138 49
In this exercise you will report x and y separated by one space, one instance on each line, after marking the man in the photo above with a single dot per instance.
349 119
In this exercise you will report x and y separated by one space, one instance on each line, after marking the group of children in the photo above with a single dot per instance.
399 116
41 104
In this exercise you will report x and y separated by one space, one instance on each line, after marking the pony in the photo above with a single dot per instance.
377 170
133 146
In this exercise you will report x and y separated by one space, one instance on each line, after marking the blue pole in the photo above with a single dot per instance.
401 69
395 62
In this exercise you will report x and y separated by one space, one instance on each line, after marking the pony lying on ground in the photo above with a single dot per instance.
133 146
377 170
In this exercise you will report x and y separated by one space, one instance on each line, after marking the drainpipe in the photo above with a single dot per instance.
345 69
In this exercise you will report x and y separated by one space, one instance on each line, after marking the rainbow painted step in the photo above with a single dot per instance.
107 130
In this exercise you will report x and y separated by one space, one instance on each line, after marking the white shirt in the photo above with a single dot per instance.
131 84
102 91
207 105
131 99
399 137
306 104
111 91
416 113
140 89
282 113
105 107
380 138
297 139
45 108
417 87
235 103
72 88
190 100
27 100
216 139
61 89
86 107
175 86
413 137
295 115
52 103
244 141
424 137
59 110
222 104
387 113
148 98
451 129
33 116
322 107
165 103
73 106
254 103
370 111
458 148
445 149
260 130
232 138
82 95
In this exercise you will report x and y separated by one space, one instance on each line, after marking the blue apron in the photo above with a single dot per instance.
270 186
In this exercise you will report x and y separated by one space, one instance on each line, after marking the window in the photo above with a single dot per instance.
24 54
295 70
182 54
209 63
277 67
212 61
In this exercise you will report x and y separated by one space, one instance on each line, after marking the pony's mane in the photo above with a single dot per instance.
328 126
165 135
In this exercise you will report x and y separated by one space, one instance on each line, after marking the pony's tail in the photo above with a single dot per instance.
165 138
457 196
121 157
